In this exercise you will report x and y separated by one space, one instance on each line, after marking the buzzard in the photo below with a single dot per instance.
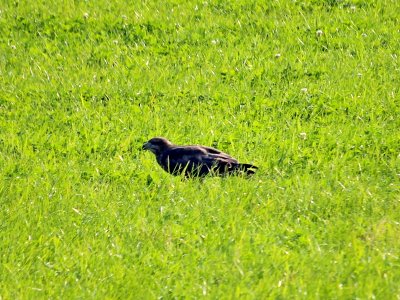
195 160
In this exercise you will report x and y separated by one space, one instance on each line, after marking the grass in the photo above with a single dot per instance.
306 90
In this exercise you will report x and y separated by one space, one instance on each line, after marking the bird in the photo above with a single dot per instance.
195 160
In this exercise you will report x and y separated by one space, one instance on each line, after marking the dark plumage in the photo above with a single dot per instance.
196 160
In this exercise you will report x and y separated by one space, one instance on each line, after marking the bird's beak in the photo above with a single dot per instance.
146 146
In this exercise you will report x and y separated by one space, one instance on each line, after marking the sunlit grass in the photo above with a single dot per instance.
307 91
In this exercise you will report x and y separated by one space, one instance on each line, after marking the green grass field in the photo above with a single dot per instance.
306 90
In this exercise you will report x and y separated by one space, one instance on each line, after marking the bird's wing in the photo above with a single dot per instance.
218 155
200 158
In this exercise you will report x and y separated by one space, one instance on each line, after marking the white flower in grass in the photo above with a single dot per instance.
303 135
304 90
319 32
86 15
277 55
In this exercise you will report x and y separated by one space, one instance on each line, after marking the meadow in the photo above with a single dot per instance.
306 90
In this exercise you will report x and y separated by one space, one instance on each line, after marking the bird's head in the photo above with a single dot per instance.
157 145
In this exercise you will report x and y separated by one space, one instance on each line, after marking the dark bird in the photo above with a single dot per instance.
195 160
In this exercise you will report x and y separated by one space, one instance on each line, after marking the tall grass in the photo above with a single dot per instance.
306 90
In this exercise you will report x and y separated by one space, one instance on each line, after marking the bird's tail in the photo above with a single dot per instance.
247 168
